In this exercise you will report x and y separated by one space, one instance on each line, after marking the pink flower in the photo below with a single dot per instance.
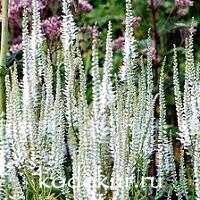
184 3
84 6
182 11
51 27
16 47
118 43
92 30
15 11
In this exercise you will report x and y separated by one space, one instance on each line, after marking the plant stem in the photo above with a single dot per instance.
4 49
154 7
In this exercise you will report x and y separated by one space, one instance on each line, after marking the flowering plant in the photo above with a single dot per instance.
55 145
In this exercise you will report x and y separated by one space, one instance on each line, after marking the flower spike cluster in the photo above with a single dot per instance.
109 143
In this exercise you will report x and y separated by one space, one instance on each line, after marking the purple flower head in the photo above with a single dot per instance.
15 11
184 3
16 44
51 27
84 6
16 47
182 12
91 30
118 43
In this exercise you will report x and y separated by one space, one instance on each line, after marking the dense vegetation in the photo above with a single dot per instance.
99 100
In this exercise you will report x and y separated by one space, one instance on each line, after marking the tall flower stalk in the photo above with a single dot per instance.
4 49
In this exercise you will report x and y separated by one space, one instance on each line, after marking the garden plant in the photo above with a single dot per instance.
75 123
